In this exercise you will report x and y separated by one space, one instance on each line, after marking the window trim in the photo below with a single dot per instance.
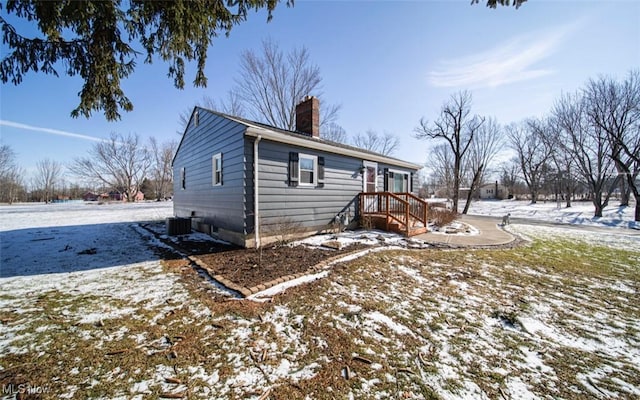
314 182
183 178
399 172
214 180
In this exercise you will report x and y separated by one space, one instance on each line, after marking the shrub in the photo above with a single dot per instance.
366 223
441 217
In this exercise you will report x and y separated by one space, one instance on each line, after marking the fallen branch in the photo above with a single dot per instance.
406 371
173 395
592 383
257 364
175 381
347 373
265 394
362 359
116 352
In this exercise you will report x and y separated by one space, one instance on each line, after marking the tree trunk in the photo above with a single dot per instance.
598 209
568 188
456 185
625 190
474 183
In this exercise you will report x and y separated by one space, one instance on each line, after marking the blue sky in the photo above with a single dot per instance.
387 63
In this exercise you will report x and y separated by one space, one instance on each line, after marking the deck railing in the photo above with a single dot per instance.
404 208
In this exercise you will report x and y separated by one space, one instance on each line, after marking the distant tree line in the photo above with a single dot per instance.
587 146
123 165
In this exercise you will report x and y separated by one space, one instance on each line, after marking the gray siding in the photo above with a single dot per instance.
230 205
311 207
221 206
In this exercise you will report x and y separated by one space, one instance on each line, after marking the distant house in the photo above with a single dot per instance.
493 191
89 196
115 195
248 182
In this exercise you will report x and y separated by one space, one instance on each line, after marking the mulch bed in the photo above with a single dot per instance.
247 268
239 268
251 267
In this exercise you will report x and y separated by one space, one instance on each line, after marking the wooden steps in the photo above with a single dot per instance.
393 222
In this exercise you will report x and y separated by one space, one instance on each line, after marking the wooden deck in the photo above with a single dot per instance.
402 213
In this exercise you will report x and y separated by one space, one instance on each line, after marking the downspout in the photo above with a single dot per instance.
256 213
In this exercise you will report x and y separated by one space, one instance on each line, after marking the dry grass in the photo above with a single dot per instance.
556 318
442 217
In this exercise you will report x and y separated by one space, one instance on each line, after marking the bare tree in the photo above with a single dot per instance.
588 146
7 160
614 107
270 85
47 176
457 127
120 163
231 105
334 133
484 147
440 165
386 143
563 160
509 174
528 139
11 175
160 169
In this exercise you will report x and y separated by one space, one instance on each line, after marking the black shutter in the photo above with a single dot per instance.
386 179
411 182
293 168
321 171
221 168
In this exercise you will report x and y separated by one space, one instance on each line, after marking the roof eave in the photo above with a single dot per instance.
254 131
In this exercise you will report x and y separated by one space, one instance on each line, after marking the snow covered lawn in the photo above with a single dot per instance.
580 212
88 310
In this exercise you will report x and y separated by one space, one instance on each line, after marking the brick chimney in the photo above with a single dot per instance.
308 116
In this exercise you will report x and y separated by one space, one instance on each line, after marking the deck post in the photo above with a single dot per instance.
407 218
387 213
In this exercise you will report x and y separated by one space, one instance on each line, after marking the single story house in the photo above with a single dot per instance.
493 191
90 196
116 195
251 183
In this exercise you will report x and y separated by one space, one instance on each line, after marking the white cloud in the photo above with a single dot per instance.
508 62
19 125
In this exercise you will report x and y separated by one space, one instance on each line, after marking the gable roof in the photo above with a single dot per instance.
305 140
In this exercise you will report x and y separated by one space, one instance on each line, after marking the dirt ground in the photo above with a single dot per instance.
249 267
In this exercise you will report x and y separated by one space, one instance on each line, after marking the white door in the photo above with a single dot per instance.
370 177
370 185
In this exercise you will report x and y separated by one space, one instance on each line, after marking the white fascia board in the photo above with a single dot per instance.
254 131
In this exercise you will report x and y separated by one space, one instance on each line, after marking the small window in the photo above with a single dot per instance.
308 170
183 178
397 181
216 169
